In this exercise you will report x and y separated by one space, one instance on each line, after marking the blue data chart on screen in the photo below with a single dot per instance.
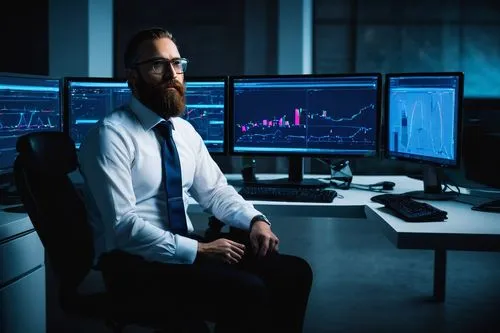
423 118
27 104
91 101
309 115
205 111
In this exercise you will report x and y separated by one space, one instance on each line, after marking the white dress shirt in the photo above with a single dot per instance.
120 161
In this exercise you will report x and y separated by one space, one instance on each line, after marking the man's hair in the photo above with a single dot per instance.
131 52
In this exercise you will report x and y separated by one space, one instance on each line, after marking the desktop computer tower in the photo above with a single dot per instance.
480 155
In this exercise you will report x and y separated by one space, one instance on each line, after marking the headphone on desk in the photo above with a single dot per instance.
380 186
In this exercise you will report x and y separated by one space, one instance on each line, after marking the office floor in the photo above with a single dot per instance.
364 284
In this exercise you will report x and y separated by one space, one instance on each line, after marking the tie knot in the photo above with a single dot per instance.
164 128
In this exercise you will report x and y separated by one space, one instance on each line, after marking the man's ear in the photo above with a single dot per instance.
131 76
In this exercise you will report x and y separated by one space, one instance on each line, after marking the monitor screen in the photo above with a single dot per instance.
423 115
27 104
90 99
305 115
206 110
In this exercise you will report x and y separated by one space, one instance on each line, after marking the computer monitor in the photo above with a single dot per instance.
28 103
89 99
481 139
206 103
329 116
423 118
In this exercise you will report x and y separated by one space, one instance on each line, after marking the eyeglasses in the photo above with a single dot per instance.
161 65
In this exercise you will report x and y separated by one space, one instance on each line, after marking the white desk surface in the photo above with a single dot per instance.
349 203
464 229
13 223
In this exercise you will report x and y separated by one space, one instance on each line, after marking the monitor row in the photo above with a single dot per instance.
337 115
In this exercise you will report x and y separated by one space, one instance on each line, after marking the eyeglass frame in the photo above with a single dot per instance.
165 61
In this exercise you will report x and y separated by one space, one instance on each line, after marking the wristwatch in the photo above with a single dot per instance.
259 217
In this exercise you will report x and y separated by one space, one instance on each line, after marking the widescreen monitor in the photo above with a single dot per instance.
89 99
300 116
28 103
423 124
206 103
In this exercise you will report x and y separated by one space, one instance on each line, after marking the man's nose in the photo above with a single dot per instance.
170 72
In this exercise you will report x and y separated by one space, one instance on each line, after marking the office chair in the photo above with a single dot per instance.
58 214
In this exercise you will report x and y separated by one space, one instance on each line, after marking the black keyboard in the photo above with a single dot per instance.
410 210
290 194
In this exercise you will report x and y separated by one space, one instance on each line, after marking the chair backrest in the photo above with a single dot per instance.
55 207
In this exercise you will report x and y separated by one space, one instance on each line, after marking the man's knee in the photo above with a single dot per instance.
249 297
300 269
253 290
305 268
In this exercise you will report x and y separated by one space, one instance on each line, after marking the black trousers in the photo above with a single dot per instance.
266 294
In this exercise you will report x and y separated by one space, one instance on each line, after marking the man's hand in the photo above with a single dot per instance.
222 249
262 239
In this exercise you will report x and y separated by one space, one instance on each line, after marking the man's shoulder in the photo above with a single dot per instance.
184 126
119 123
121 117
119 120
181 122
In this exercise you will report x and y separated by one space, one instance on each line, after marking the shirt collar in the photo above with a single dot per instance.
146 117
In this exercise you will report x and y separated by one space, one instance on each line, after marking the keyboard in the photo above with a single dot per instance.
289 194
410 210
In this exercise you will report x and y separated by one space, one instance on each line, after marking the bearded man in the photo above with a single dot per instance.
139 164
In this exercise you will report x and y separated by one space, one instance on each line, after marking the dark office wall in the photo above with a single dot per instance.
24 37
209 33
406 35
409 36
213 35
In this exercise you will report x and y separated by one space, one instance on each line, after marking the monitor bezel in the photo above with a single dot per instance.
225 79
424 162
378 110
8 170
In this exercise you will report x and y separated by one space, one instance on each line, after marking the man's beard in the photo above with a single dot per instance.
161 99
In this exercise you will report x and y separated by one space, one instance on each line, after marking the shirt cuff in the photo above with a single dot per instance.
186 249
243 218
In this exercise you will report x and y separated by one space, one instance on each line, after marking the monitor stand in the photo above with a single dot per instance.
433 189
295 177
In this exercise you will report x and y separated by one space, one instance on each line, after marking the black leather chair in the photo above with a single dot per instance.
57 211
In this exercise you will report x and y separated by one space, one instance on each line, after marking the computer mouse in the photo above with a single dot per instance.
488 206
385 185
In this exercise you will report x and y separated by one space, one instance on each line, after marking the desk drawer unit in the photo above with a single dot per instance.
22 284
19 256
22 304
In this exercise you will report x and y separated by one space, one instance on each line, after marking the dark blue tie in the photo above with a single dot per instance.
172 179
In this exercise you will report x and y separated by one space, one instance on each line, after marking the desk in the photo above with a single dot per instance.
349 204
22 274
464 229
